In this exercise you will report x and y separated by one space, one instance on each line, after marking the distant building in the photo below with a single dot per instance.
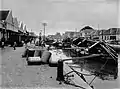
56 37
51 37
110 34
95 35
86 32
71 34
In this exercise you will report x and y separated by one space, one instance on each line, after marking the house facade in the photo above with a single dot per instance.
109 34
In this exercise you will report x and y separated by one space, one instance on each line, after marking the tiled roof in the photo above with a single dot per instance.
15 22
4 14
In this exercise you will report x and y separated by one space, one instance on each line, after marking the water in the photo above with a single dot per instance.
106 77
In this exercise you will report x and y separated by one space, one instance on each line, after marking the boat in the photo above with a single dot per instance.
66 43
65 73
115 45
87 47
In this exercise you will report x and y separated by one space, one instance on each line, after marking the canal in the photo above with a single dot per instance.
99 75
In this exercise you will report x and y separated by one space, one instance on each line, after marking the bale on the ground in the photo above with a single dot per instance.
25 53
46 56
30 53
38 53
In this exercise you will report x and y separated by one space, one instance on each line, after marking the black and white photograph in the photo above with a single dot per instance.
59 44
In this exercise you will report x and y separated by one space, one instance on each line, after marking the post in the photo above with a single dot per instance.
102 35
40 38
44 24
60 76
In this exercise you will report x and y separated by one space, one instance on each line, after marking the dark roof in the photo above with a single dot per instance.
86 27
4 14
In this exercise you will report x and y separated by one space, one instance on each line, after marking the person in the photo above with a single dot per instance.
14 45
3 44
43 44
26 41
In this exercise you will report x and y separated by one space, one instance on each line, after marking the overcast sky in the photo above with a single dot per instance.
63 15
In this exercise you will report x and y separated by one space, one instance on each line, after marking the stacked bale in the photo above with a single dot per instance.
46 56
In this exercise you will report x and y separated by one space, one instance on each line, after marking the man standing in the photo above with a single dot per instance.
14 45
2 45
3 42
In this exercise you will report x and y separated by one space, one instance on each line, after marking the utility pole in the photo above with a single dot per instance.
40 34
44 24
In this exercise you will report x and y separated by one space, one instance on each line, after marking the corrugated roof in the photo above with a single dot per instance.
4 14
15 22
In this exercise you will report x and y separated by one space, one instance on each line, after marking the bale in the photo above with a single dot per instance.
46 56
25 53
38 53
30 53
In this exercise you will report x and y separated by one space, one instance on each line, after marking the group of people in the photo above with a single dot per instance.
14 45
39 43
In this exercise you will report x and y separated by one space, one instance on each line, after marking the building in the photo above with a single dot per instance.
56 37
71 34
95 35
8 28
3 23
10 31
86 32
110 34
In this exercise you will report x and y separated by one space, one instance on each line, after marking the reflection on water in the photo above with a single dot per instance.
104 72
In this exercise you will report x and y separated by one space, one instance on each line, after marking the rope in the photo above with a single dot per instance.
78 73
82 73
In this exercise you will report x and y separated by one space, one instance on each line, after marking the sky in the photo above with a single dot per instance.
64 15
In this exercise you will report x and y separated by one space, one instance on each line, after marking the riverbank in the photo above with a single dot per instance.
15 73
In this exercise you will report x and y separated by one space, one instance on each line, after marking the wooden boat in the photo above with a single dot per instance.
78 80
65 72
115 45
88 47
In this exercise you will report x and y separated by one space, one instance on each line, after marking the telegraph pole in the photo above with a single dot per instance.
40 34
44 24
